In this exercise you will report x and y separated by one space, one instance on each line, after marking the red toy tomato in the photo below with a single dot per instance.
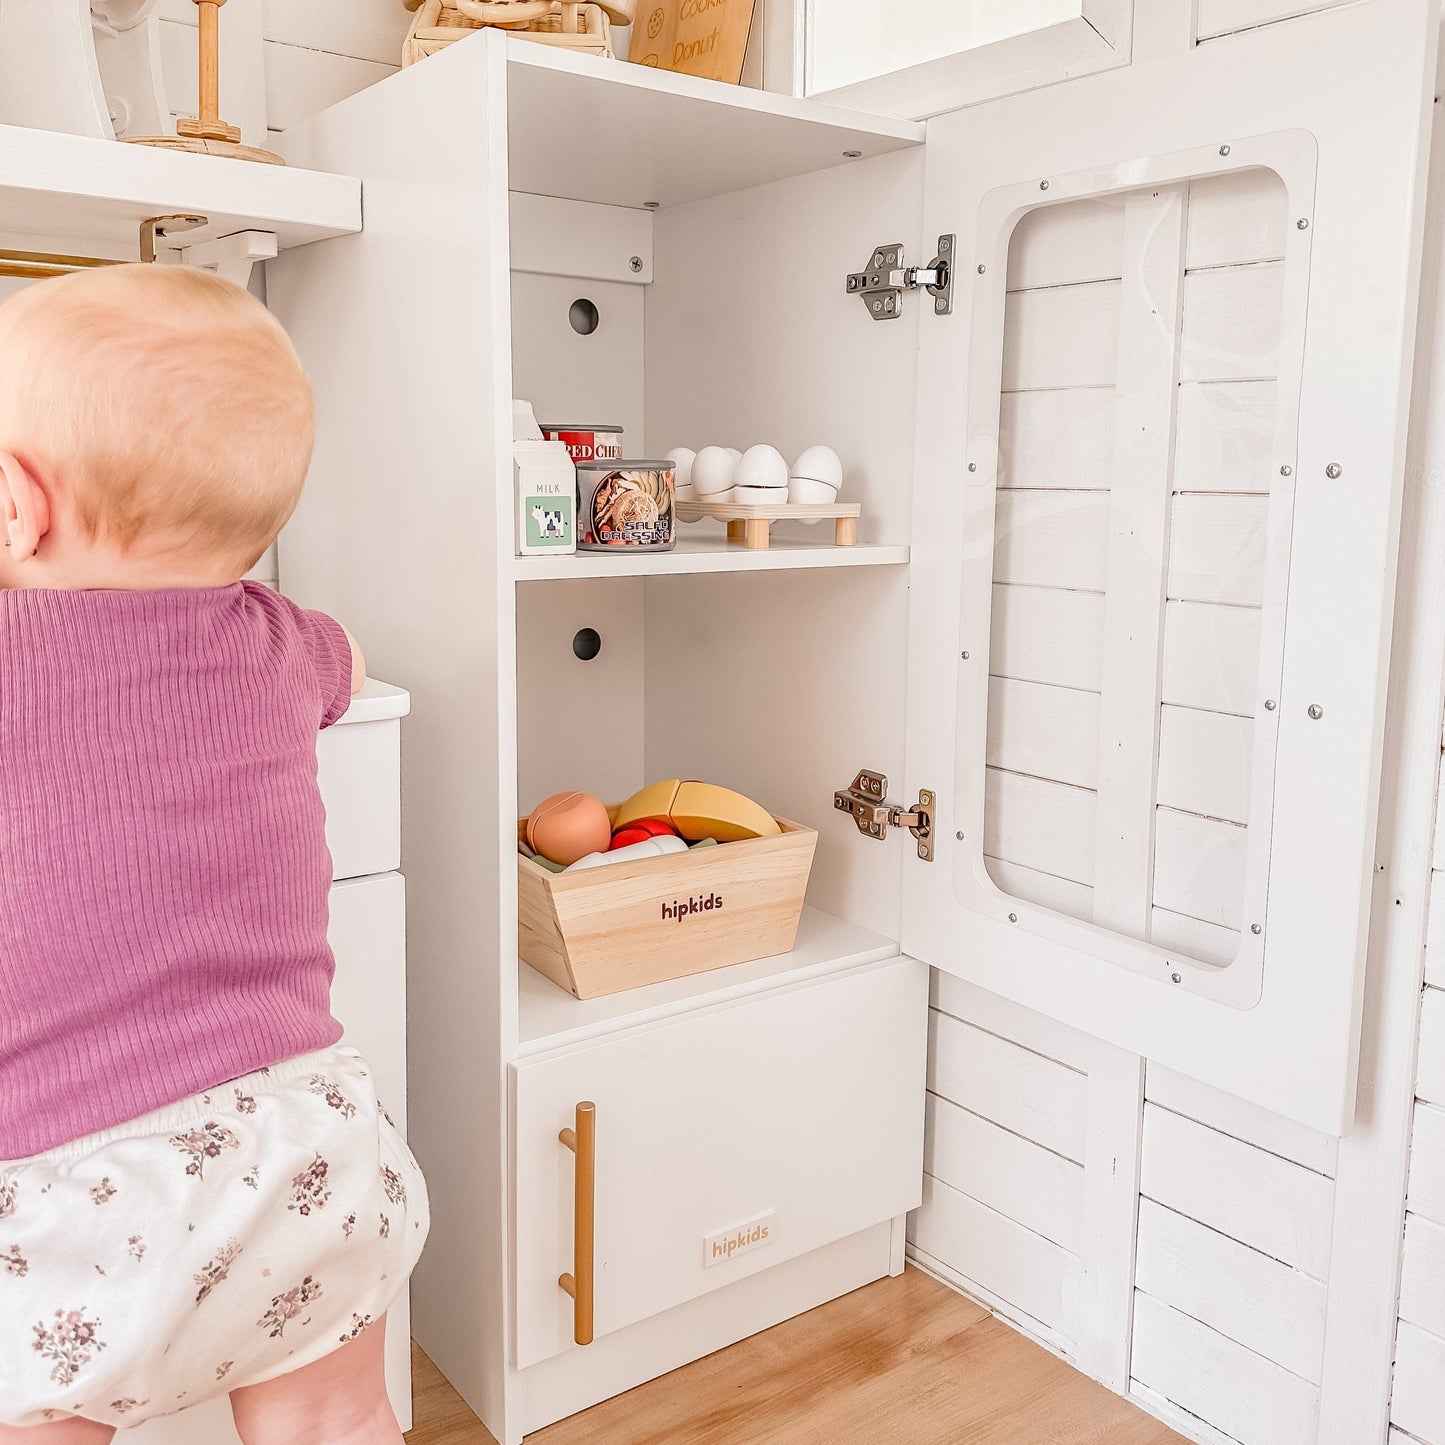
640 831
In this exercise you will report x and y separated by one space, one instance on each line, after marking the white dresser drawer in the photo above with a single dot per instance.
359 768
798 1113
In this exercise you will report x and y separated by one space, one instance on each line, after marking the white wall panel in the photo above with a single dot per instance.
1431 1082
1062 336
1217 549
1047 634
1210 657
1050 732
1418 1404
1224 17
1204 762
1235 218
1231 323
1043 825
1224 440
1063 245
1422 1277
1427 1163
1052 539
1062 439
1199 867
1207 942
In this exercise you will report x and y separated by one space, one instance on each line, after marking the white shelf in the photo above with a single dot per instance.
708 554
624 135
85 196
550 1017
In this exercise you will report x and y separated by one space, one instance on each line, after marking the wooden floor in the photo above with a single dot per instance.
905 1360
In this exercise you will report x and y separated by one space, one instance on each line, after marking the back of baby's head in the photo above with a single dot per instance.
165 408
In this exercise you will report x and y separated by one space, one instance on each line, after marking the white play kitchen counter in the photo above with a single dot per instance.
360 772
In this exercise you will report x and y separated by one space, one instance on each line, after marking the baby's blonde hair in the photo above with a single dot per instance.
166 408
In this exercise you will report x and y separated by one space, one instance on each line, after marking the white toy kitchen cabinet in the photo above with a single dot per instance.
1141 722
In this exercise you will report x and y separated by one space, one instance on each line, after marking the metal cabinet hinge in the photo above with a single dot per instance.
867 801
882 285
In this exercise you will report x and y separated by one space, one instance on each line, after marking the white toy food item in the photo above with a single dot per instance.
808 492
761 468
682 459
633 853
712 473
760 496
819 464
735 454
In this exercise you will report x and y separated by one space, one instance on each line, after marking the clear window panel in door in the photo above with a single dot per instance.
1137 475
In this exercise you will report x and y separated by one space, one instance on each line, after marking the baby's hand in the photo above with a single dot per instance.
358 662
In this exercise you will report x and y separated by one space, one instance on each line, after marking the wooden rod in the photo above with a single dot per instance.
37 265
210 79
582 1141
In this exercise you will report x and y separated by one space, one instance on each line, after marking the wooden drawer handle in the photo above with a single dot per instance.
582 1141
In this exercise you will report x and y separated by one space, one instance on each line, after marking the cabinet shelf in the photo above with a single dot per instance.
549 1017
635 135
89 196
708 554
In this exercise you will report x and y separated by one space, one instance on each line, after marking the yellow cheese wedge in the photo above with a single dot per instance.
700 810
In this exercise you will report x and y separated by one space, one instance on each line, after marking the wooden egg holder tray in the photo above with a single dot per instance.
752 523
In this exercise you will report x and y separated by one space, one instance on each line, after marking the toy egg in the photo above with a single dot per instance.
683 494
808 492
760 496
712 472
682 459
569 826
761 467
735 454
819 464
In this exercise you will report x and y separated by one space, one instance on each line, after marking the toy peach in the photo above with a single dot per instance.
569 826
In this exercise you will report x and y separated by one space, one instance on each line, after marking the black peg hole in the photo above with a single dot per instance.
583 316
587 644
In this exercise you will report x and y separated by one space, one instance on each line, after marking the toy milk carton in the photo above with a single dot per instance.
546 488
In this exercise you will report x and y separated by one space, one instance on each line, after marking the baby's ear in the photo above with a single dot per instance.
24 508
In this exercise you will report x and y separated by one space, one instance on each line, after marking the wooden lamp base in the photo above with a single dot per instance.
206 145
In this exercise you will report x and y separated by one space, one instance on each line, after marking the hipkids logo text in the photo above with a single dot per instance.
727 1244
681 908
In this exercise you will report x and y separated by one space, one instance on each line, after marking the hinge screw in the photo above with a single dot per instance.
1224 150
1315 711
1256 928
636 263
1302 224
1286 470
1334 471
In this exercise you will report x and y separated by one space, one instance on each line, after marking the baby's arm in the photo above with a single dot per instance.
358 662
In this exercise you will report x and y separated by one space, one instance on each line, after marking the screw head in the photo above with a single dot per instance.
1334 471
1270 704
1303 224
959 835
964 656
652 205
852 155
982 269
1043 185
1315 711
1175 978
973 466
636 263
1256 928
1224 150
1286 470
1013 918
945 243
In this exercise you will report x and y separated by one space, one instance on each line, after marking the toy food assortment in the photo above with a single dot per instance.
569 826
699 810
586 443
623 504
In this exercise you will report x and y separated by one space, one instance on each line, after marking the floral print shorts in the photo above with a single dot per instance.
221 1241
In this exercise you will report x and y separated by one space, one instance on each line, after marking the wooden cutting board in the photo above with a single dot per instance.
697 37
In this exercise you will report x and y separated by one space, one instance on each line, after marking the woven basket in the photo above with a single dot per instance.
581 27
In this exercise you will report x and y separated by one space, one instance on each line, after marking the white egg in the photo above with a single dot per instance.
734 453
682 459
683 494
819 464
761 496
712 471
806 491
761 466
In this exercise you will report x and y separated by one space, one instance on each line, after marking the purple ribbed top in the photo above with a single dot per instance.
163 863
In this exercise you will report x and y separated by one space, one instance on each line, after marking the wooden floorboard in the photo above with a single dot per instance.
905 1360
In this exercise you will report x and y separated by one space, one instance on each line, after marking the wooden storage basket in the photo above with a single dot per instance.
628 924
438 23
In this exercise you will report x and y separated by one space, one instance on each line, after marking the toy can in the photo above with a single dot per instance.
624 504
586 443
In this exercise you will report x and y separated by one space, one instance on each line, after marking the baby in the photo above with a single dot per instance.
199 1192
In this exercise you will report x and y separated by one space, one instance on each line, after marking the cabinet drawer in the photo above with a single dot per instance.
776 1124
359 769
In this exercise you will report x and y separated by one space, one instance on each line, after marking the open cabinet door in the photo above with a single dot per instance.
1160 446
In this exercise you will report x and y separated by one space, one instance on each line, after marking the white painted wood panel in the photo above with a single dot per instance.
995 1014
1062 336
1199 867
1225 437
1235 219
1246 1296
1036 1278
1422 1276
1043 825
1034 1186
1049 634
1023 1092
1049 732
1427 1163
301 82
1046 889
1210 657
1217 549
1249 1398
1259 1199
1435 935
363 29
1431 1083
1204 762
1232 323
1051 539
1241 1120
1224 17
1192 937
1418 1404
1063 245
1060 439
